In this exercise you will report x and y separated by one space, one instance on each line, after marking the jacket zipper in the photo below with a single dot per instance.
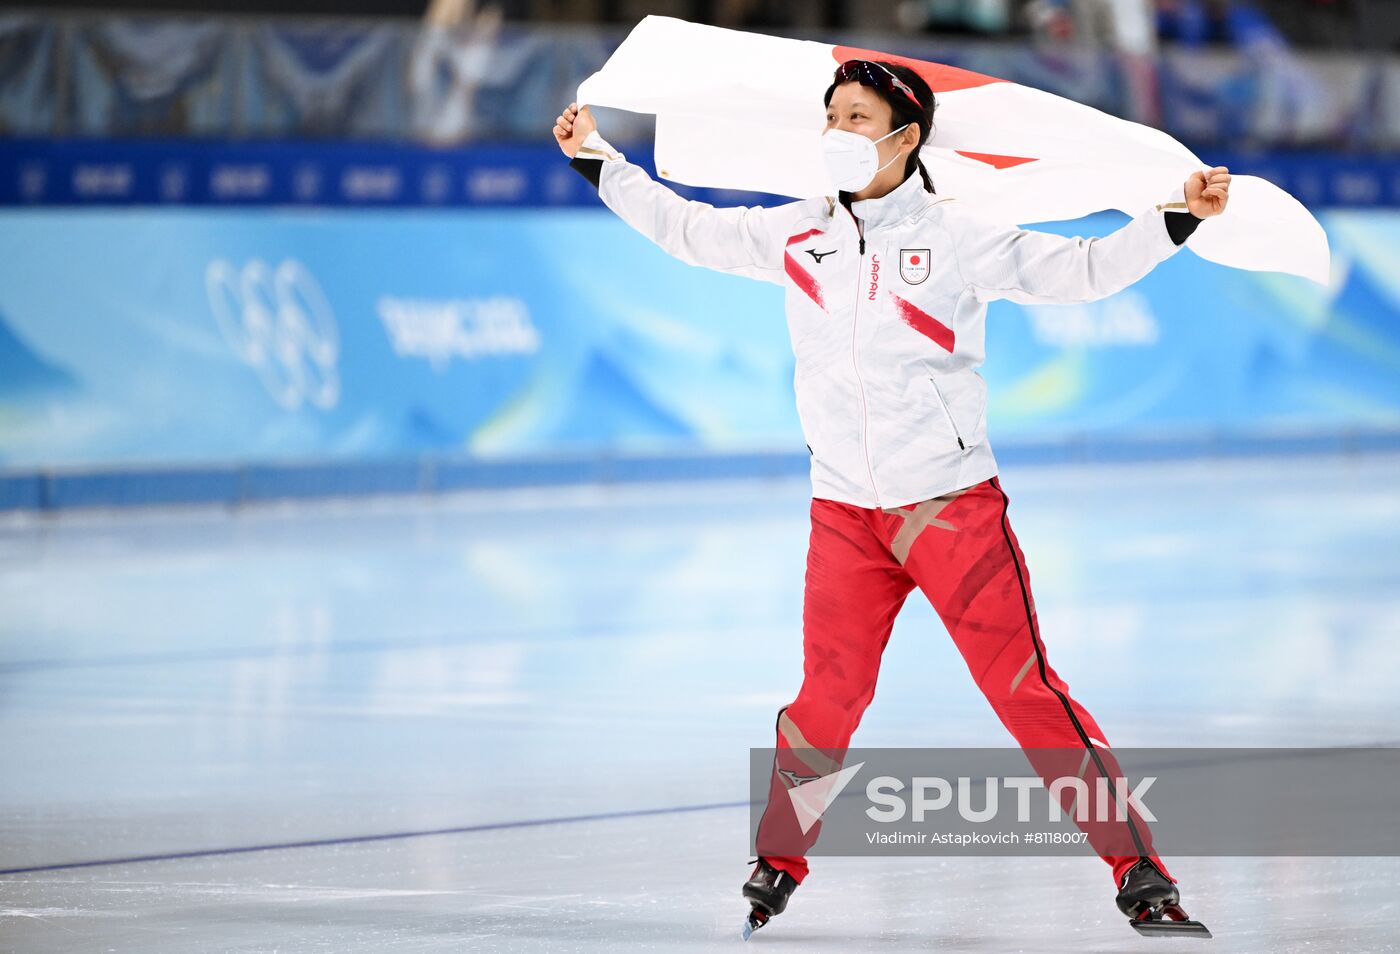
860 230
855 366
948 413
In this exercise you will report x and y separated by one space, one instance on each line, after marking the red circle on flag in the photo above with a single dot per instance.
913 259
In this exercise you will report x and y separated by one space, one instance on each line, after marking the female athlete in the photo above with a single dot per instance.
887 286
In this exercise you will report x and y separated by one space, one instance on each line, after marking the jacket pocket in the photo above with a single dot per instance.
948 413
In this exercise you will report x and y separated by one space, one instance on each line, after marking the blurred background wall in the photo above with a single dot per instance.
336 250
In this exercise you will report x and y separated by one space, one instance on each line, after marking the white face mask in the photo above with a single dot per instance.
852 160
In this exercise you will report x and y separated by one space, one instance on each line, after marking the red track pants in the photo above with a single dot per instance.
960 551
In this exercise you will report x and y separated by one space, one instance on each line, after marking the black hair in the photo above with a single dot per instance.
903 111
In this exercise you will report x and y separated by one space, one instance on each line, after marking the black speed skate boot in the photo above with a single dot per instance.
767 890
1146 894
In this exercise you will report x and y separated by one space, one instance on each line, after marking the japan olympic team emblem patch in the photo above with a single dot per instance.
913 265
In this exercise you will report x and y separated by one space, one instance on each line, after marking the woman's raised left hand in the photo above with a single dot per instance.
1207 192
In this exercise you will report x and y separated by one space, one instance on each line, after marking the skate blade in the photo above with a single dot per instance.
753 922
1163 927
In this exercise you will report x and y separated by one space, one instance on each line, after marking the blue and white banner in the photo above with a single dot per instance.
183 336
189 172
366 175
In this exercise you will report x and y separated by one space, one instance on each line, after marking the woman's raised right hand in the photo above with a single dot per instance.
572 128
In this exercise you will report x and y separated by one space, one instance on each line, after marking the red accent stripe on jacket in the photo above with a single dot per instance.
799 275
924 323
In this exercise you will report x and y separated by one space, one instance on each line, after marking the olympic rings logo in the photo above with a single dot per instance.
278 322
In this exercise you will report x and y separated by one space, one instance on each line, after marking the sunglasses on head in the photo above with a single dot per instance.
876 76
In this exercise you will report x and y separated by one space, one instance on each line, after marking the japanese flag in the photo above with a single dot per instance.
739 110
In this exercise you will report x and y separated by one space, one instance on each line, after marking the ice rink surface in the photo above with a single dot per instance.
520 721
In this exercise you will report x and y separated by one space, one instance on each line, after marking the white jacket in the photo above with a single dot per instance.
886 308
